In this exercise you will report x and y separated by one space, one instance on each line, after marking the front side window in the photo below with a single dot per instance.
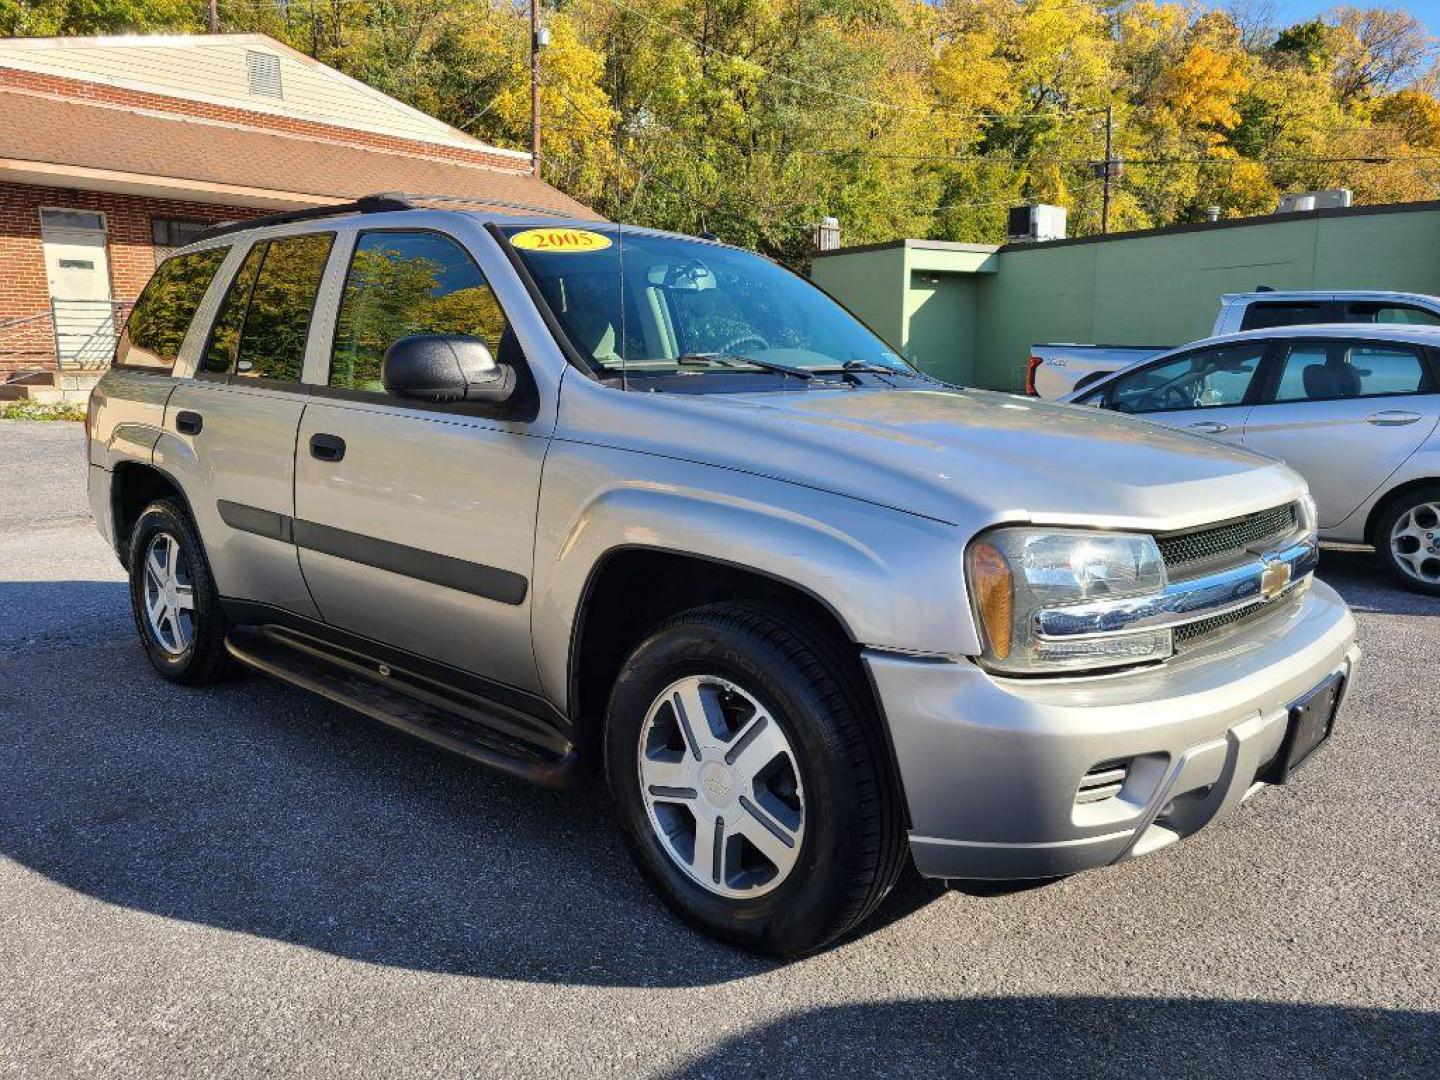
1335 370
161 317
1207 378
638 303
404 283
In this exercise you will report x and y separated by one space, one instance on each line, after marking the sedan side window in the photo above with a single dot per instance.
404 283
1207 378
1335 370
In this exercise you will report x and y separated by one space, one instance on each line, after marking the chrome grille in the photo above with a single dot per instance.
1202 631
1229 538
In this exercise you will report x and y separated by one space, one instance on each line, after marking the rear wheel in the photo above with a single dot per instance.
748 773
173 597
1407 539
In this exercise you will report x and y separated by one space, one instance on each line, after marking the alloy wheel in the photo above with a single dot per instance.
169 594
1415 542
722 787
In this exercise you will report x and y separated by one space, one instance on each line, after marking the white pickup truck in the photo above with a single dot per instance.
1059 368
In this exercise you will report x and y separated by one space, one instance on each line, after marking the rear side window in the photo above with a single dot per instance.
262 327
1262 315
162 316
1389 314
404 283
1334 370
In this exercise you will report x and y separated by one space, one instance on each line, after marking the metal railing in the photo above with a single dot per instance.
80 335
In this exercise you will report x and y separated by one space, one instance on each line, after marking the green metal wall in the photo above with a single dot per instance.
973 319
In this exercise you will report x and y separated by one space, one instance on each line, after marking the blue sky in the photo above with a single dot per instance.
1293 11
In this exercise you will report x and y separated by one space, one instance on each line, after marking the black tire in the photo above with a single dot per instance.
854 842
205 660
1395 509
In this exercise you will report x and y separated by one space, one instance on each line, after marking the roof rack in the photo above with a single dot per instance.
377 203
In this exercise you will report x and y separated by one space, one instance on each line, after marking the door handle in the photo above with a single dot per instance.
1209 427
1392 418
189 423
327 447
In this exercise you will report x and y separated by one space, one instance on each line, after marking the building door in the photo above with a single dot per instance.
77 269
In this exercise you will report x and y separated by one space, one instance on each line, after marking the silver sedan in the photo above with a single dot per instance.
1353 408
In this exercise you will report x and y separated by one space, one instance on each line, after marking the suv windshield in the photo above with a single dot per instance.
635 303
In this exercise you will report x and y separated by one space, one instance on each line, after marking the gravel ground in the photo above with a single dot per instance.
247 881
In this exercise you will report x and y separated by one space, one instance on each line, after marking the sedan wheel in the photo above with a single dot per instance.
1415 542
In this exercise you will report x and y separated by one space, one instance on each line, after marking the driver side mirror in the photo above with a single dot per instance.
445 368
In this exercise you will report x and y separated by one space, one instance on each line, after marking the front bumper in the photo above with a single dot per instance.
991 767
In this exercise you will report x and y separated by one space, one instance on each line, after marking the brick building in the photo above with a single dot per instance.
119 148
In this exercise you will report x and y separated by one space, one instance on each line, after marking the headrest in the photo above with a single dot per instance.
1331 381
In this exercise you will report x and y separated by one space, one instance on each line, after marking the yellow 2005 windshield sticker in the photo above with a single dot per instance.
560 240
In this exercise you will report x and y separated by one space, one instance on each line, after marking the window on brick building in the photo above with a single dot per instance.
170 233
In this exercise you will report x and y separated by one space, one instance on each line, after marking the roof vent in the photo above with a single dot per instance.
1035 223
263 72
1331 199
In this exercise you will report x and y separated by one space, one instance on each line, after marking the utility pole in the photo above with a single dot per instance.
214 16
535 44
1109 167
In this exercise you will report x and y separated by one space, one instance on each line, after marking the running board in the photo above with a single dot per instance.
468 728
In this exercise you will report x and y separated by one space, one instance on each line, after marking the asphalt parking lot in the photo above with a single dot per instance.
248 881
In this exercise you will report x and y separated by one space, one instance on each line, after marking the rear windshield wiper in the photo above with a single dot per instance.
729 360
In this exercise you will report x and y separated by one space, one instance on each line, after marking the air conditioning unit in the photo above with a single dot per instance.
1331 199
1033 224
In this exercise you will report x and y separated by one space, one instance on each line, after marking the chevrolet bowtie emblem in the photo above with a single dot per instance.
1274 579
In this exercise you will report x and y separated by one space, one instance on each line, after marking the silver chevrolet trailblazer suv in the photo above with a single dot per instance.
560 495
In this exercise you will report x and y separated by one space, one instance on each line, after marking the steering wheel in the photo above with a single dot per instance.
730 346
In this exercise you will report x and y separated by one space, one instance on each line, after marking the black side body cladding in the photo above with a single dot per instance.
490 582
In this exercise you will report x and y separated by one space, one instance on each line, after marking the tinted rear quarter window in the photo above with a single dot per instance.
162 316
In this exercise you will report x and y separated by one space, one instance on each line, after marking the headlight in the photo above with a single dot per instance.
1309 515
1013 573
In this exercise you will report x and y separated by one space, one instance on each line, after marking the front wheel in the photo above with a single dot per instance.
1407 539
748 772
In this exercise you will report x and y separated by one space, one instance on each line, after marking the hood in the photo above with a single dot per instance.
965 457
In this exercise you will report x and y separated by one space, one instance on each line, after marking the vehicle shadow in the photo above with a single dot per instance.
256 808
1366 587
1082 1037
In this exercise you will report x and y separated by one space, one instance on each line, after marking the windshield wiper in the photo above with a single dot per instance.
731 360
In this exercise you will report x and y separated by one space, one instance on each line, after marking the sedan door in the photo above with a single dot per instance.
1345 414
1207 391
